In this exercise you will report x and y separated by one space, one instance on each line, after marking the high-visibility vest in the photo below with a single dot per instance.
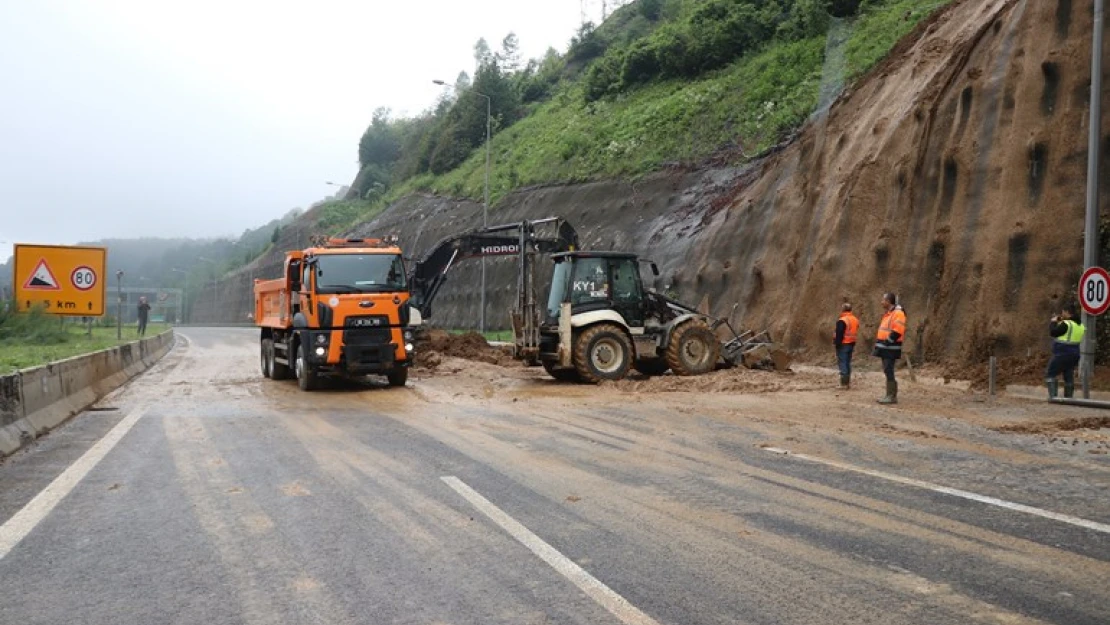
893 321
1074 335
851 327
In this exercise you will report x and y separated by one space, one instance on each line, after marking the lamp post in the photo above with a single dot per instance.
1090 235
485 203
215 286
119 305
185 297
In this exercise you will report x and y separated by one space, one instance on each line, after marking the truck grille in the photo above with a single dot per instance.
367 330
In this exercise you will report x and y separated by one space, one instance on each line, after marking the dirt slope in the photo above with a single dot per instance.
953 173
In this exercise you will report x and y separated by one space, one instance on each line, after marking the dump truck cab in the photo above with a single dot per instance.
341 309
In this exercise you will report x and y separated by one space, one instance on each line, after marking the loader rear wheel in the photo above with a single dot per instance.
602 352
267 357
651 366
562 374
693 349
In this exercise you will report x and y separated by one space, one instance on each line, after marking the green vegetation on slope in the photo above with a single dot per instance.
661 82
32 339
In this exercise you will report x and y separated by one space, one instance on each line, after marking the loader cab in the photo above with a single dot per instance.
593 281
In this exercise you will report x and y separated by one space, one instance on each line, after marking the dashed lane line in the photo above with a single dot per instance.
594 588
17 527
955 492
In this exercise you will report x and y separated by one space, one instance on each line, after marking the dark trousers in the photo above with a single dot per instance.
888 368
1065 364
142 326
844 358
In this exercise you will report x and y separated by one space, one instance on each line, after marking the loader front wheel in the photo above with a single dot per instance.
602 352
693 349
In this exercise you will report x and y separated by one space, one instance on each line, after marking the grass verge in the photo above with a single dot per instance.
22 352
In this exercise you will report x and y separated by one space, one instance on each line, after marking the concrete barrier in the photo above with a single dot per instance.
35 401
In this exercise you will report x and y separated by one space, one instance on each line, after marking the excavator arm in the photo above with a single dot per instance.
513 239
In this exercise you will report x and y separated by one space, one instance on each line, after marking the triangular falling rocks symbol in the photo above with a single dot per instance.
42 279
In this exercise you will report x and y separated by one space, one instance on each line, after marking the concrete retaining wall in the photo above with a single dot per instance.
34 401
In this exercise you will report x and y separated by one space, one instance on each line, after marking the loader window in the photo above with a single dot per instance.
558 288
359 273
590 282
626 285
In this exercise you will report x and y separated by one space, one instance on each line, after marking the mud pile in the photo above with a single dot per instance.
736 380
435 344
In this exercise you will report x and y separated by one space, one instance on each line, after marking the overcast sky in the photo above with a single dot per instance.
129 118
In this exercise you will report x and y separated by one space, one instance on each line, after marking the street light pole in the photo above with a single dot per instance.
1090 235
215 286
185 296
485 203
119 305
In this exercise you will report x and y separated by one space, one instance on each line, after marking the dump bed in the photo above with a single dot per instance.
271 303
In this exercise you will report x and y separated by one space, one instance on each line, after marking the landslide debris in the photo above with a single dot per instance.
436 343
1069 424
735 380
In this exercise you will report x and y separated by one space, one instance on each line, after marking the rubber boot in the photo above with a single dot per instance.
843 381
891 396
1050 384
848 381
1069 390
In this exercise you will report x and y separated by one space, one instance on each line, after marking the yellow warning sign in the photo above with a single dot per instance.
59 279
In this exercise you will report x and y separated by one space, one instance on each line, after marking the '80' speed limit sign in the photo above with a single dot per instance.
1094 291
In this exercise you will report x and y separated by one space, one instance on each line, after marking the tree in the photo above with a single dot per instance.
509 57
482 53
380 144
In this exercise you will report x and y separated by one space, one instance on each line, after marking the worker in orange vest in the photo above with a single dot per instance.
847 327
888 344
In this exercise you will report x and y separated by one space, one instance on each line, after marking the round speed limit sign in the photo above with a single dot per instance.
83 278
1094 291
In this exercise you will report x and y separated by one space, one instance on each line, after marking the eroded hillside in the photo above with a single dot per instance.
953 173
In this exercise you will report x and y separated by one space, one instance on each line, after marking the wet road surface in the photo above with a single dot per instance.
233 499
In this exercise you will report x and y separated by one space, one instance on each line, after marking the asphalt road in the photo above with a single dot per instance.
232 499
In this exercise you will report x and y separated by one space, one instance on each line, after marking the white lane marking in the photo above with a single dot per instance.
38 508
594 588
955 492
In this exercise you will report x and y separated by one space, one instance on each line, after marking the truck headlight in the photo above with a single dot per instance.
321 339
408 335
320 351
408 347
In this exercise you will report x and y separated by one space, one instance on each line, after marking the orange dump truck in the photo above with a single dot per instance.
341 309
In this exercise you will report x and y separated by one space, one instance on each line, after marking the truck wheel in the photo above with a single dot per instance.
267 357
278 371
562 374
651 366
602 352
693 349
398 377
306 377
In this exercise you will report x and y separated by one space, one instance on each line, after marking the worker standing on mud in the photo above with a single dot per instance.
888 344
847 327
1065 351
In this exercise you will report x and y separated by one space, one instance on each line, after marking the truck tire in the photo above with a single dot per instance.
306 376
398 377
267 357
278 371
562 374
651 366
693 349
602 352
